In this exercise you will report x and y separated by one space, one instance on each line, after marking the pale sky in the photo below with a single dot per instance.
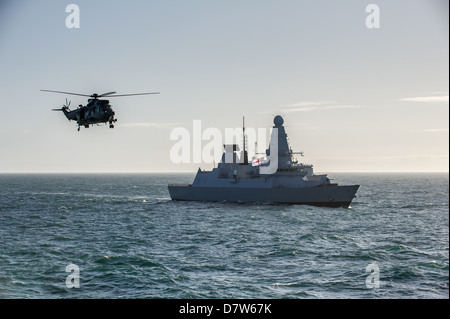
353 99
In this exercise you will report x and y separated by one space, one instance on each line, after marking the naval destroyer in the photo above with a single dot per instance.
278 179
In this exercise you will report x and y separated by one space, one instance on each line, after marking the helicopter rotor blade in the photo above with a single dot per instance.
105 94
95 95
134 94
65 93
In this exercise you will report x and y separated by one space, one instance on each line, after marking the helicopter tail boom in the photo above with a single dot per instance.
65 110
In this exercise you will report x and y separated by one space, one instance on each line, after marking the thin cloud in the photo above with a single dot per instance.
441 98
300 109
313 106
149 124
348 106
302 104
434 130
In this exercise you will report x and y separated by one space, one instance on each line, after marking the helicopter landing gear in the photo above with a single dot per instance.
111 125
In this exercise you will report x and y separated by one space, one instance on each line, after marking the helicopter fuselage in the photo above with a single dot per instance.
95 112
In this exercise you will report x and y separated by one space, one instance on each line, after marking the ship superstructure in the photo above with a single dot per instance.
276 179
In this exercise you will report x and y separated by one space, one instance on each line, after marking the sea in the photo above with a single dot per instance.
120 236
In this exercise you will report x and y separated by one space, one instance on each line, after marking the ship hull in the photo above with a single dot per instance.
327 195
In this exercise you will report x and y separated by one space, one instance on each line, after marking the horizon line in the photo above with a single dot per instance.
192 172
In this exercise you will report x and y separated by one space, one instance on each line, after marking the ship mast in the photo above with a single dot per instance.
243 134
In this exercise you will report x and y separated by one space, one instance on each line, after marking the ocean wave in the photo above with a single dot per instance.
134 242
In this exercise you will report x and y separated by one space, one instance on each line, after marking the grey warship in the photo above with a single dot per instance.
280 180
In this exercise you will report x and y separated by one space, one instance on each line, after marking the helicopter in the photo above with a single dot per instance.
96 111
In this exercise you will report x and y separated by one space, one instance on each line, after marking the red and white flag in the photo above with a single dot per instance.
257 162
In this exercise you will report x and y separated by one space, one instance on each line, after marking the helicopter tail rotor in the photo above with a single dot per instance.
65 107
